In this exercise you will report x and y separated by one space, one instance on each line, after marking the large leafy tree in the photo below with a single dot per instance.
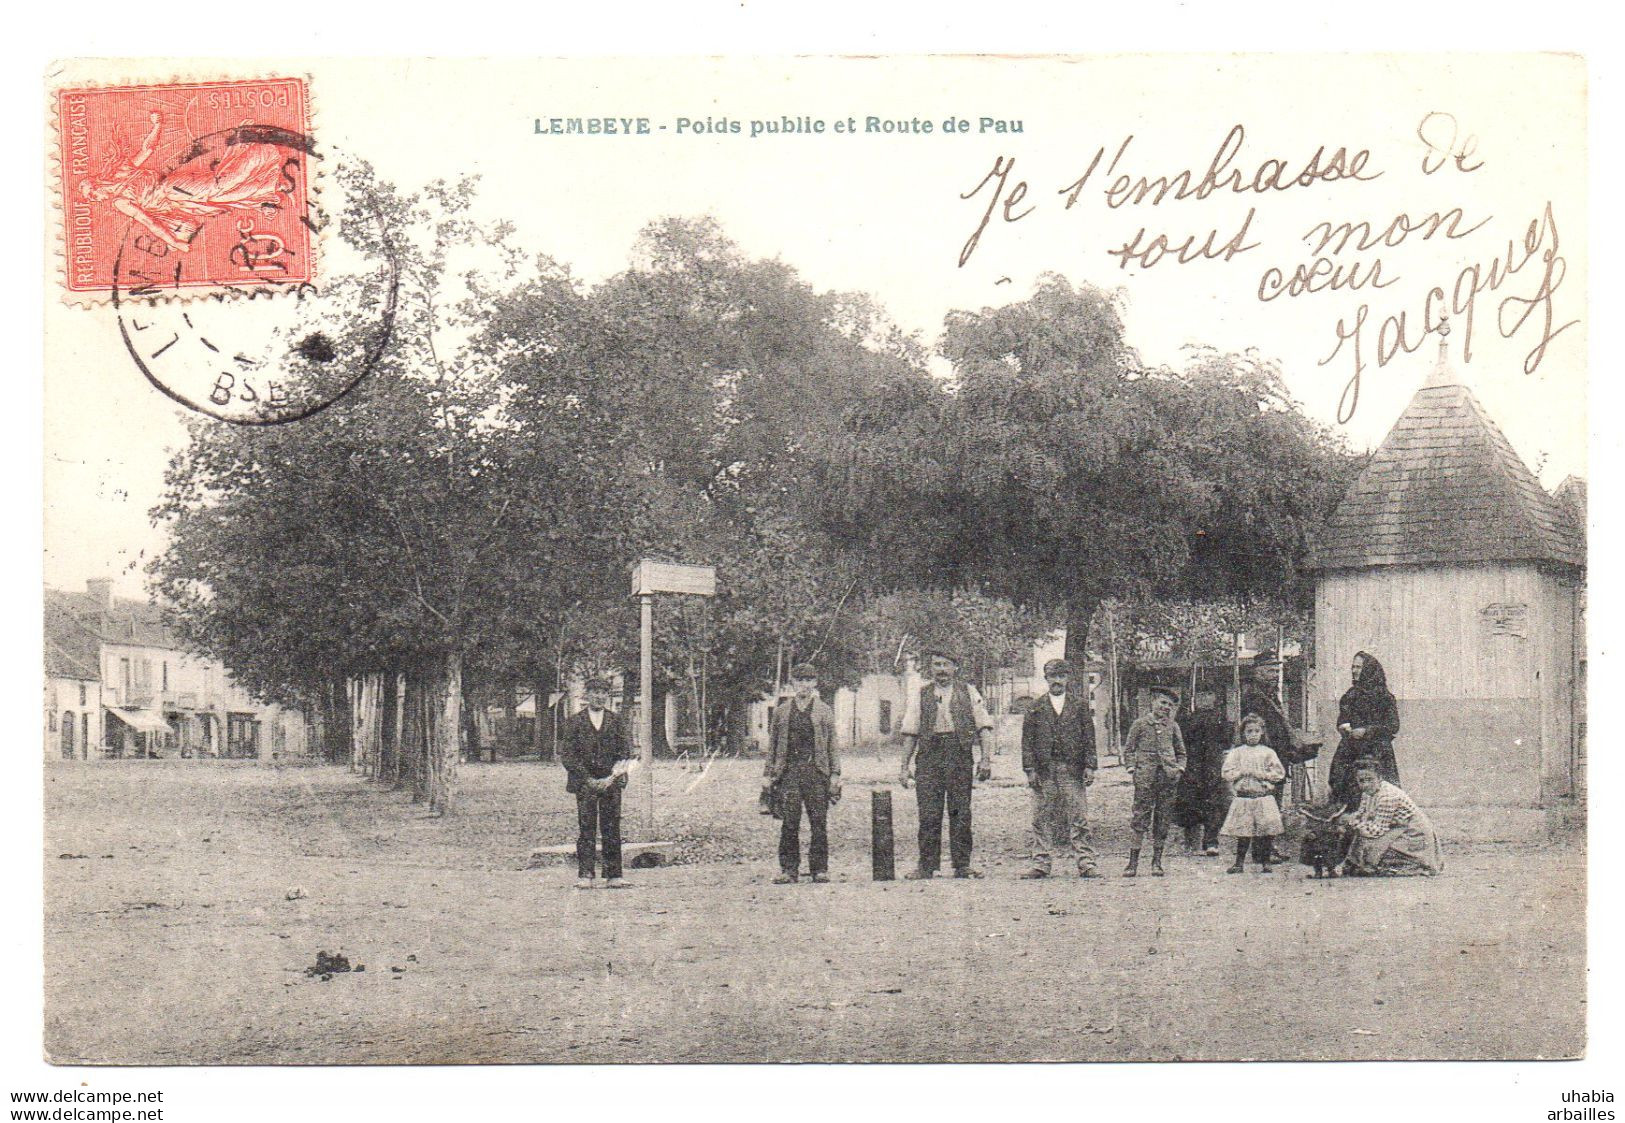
1056 469
396 532
470 512
696 393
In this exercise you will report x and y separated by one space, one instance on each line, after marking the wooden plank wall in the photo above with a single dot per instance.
1485 714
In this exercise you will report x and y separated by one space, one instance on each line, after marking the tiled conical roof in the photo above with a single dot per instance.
1445 488
1571 497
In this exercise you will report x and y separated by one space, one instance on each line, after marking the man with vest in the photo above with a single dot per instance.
802 762
595 754
943 723
1058 756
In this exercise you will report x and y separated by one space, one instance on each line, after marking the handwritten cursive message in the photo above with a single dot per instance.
1511 277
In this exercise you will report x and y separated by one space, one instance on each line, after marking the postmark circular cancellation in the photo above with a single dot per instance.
193 210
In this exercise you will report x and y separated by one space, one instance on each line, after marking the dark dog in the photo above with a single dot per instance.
1325 839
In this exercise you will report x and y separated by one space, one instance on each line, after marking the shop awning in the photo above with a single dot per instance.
142 721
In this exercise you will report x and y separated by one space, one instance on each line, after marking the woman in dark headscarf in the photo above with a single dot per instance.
1367 719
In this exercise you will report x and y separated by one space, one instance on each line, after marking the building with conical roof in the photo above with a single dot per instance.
1451 564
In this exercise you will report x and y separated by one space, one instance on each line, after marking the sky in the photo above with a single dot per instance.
888 209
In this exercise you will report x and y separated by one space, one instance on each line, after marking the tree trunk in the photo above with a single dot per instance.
1080 614
370 723
352 694
445 734
540 736
415 739
737 721
402 773
344 727
389 742
363 725
471 708
509 733
424 711
335 723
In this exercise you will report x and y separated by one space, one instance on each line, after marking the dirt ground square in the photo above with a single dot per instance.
186 899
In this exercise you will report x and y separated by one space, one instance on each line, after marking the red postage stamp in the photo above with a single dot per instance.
186 186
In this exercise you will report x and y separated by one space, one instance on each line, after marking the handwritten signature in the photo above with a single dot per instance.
1540 245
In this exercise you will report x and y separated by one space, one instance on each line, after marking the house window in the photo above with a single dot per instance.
166 676
885 715
81 695
124 677
242 736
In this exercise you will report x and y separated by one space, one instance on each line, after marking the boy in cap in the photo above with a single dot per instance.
942 723
1155 754
802 761
594 753
1058 756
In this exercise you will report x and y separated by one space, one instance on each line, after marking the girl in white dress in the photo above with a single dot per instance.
1252 770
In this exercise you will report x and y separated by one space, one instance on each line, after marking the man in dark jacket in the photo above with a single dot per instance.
1202 798
802 762
1058 756
595 754
1259 697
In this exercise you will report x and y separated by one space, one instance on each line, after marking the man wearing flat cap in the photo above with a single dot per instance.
1155 753
1058 756
596 754
803 764
943 722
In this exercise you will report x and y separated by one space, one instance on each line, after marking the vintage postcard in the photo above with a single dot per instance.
890 559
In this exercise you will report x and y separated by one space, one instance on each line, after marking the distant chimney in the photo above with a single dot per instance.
101 592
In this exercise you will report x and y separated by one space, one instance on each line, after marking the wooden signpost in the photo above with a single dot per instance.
648 578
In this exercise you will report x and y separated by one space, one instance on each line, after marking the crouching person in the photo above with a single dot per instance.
1058 756
803 765
595 753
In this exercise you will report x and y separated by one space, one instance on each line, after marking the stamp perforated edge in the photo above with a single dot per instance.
56 81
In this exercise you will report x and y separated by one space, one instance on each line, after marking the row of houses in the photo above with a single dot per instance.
119 684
